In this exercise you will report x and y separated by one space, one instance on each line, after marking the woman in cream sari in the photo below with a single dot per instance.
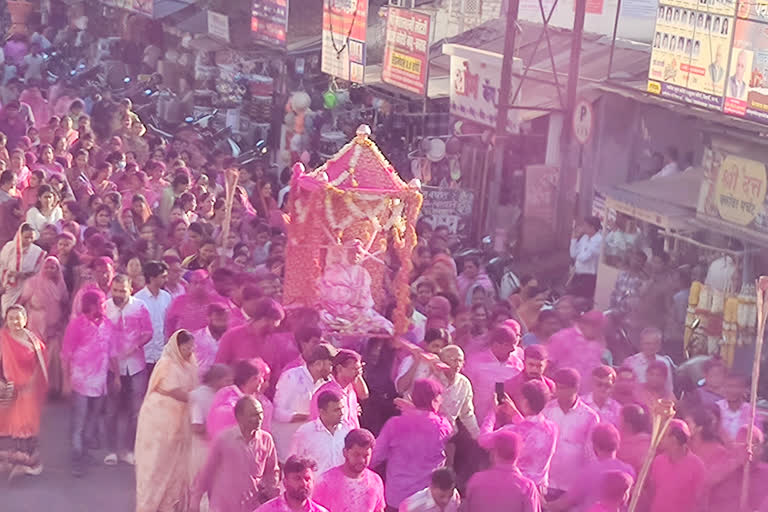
20 259
164 434
22 362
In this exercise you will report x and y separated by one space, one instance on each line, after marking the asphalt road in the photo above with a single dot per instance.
104 488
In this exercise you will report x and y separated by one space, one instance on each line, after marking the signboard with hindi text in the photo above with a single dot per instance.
450 207
734 192
690 51
344 39
475 85
406 54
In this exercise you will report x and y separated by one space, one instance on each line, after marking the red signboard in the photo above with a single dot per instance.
406 54
269 21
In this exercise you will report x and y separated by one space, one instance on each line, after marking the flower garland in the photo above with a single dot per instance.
350 172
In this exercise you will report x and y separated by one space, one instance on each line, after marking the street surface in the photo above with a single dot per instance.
103 488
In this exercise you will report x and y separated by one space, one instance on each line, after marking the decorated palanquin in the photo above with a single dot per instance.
352 220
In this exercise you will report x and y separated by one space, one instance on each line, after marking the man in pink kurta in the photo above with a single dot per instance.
502 488
189 311
677 479
253 338
579 347
242 464
352 487
88 353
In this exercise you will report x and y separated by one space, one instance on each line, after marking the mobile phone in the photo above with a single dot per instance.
499 392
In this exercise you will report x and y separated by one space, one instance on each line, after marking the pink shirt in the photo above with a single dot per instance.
206 347
484 371
501 489
221 415
677 485
610 412
412 445
539 436
88 346
568 348
236 469
348 400
133 327
279 505
337 492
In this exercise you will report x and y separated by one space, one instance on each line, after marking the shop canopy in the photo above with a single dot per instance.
669 202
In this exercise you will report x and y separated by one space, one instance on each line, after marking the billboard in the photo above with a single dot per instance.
747 82
734 191
475 86
269 22
344 39
690 51
406 53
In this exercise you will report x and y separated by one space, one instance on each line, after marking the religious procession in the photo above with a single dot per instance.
383 256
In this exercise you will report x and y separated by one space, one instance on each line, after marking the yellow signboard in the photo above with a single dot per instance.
740 190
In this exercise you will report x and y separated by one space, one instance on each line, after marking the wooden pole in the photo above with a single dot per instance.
662 413
230 184
761 286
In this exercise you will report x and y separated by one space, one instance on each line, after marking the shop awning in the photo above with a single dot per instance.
668 202
544 89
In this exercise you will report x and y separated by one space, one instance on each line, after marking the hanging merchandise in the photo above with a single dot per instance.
330 101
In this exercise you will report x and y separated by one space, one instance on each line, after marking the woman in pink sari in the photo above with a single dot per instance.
46 297
37 103
47 162
164 433
22 355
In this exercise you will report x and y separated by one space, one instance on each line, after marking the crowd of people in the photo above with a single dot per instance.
130 291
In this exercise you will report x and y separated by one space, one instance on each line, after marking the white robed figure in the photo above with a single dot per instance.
344 293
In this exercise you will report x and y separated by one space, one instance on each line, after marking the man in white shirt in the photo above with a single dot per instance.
586 244
207 338
134 330
440 496
671 165
734 409
575 421
650 345
157 302
293 395
608 409
322 440
496 364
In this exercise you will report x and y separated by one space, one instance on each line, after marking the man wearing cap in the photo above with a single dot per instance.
579 347
586 244
495 364
677 479
575 421
502 488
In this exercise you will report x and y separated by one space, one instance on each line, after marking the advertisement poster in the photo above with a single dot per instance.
269 22
450 207
344 38
406 54
690 51
218 25
475 86
734 191
747 83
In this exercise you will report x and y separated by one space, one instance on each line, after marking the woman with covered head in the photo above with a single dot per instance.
164 433
46 298
23 362
20 259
